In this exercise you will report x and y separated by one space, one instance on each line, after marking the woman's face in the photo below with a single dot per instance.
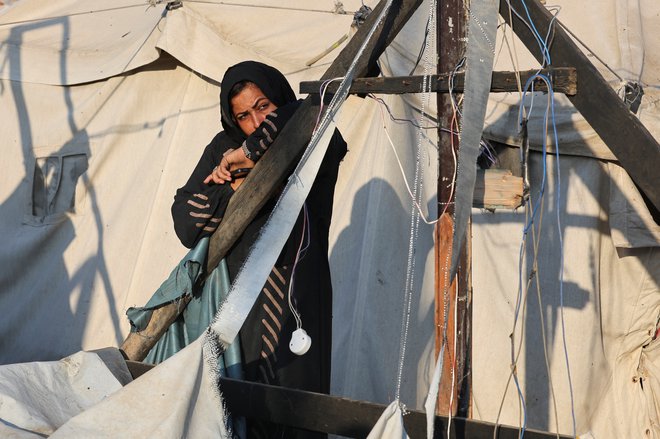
250 107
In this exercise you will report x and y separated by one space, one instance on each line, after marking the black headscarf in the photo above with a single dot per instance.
268 79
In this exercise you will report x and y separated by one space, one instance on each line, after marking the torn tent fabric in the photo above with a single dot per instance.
197 315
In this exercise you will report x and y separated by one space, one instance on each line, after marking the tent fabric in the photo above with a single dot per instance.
78 251
92 394
86 264
142 132
620 33
611 308
390 424
198 313
96 40
37 398
179 398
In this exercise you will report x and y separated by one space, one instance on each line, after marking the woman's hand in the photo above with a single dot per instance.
233 159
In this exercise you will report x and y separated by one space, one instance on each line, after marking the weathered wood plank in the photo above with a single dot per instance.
138 344
344 416
564 80
632 144
337 415
497 189
445 296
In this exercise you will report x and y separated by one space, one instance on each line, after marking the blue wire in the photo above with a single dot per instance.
541 42
528 85
561 253
528 225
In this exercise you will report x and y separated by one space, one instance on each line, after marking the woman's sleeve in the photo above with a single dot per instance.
198 208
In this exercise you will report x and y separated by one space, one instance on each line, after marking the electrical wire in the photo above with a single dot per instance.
486 148
400 120
542 42
454 131
583 44
403 174
513 55
528 22
421 49
521 298
561 252
323 88
300 254
452 77
536 237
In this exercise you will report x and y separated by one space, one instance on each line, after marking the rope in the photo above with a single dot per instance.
414 214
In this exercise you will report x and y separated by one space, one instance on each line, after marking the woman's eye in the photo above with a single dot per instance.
264 106
240 117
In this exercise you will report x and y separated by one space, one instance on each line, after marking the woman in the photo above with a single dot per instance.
256 100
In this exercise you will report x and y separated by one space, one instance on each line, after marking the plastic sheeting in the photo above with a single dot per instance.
179 398
38 398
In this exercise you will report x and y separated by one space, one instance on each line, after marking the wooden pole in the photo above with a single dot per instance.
277 163
451 32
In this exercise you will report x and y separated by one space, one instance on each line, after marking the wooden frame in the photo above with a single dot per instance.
564 80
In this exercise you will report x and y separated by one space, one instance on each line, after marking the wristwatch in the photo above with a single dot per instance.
248 153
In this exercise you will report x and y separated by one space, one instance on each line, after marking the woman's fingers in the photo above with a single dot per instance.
220 173
233 160
224 168
238 159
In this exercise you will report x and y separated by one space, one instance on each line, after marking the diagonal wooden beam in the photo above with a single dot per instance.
277 163
632 144
281 158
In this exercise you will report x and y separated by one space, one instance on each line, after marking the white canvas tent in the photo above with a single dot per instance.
111 106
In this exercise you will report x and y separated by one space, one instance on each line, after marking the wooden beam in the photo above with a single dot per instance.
454 389
344 416
445 293
138 344
280 159
564 80
340 416
633 145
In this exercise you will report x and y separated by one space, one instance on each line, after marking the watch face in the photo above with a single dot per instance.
240 173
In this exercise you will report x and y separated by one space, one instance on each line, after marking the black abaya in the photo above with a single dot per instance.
197 211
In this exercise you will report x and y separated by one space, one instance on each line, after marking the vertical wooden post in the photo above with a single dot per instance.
451 32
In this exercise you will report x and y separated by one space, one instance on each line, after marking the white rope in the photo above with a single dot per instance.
414 213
